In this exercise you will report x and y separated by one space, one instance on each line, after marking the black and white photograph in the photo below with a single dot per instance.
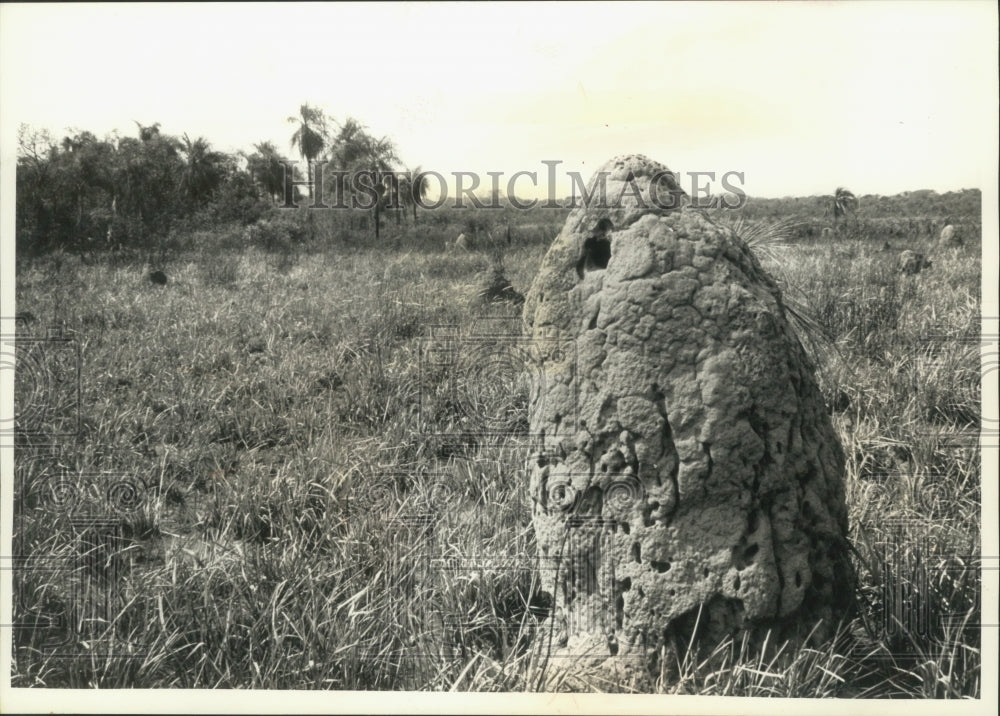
500 357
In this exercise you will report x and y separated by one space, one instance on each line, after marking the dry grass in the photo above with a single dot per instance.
277 408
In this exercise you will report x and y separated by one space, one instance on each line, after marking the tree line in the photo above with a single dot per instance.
85 192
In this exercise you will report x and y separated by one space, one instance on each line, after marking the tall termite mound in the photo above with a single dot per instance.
687 472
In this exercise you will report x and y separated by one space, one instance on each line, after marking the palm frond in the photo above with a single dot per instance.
417 184
813 335
766 239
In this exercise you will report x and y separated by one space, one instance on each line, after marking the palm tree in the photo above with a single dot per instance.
148 132
354 151
203 169
381 157
311 136
415 189
350 144
267 169
844 203
346 152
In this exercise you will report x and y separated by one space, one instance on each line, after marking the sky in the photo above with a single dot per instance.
880 97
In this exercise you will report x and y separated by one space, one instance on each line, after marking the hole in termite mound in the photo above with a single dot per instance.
596 249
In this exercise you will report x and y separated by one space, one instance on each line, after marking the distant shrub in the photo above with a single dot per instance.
237 201
277 232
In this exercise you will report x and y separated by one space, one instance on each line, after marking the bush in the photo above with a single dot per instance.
277 232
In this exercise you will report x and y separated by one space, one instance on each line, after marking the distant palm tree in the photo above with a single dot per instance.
381 158
844 203
349 146
346 150
415 189
148 132
354 151
203 169
311 135
267 170
380 154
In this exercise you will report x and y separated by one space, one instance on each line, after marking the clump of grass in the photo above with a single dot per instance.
863 308
224 271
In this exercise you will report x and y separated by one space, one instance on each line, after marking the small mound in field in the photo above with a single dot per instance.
256 345
951 236
494 287
913 262
158 277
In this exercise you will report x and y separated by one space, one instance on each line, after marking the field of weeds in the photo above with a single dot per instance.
281 458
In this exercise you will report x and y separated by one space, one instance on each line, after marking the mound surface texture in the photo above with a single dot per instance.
687 469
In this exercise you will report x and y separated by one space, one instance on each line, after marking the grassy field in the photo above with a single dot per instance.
275 408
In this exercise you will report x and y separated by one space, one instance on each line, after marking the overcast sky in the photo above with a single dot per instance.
878 97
